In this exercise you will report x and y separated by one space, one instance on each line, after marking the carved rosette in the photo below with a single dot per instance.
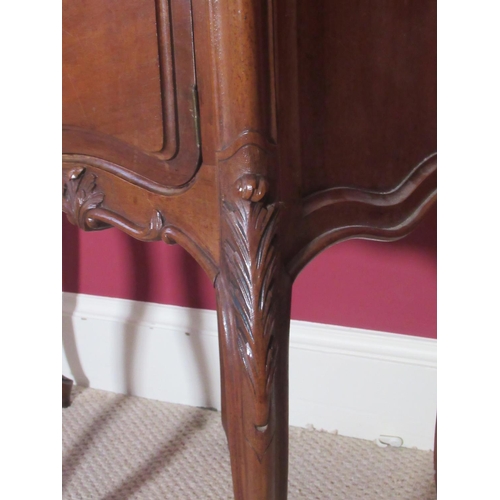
250 268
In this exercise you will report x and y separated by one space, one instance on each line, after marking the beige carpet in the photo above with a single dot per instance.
117 447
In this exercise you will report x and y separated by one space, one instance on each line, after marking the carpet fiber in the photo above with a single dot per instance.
118 447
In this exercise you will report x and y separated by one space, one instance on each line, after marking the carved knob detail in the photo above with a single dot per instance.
252 187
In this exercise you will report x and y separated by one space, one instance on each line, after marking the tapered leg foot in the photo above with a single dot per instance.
67 384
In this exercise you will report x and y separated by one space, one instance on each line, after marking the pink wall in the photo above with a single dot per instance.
388 287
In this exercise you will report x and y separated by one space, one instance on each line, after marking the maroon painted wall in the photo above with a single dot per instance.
388 287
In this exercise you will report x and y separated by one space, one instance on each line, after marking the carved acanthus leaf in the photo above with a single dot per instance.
251 260
252 264
83 205
80 195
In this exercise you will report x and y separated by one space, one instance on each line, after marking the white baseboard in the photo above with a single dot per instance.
359 383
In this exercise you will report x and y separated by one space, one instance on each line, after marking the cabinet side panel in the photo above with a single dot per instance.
367 90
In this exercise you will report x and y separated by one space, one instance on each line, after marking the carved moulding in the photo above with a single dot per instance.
338 214
83 203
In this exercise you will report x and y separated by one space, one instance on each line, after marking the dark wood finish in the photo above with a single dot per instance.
67 385
254 295
257 134
367 90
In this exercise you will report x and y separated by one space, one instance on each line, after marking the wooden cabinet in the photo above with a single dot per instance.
129 88
254 133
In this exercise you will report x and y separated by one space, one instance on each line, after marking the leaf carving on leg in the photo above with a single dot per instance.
251 260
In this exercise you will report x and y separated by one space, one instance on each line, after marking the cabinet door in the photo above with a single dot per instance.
129 89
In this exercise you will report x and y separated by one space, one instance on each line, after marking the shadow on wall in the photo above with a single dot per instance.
142 274
129 270
70 278
111 264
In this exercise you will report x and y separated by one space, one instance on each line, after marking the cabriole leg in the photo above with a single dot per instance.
254 315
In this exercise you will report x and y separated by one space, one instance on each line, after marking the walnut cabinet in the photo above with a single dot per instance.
253 133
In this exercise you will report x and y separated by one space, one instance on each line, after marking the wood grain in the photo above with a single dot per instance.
127 101
254 133
130 101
